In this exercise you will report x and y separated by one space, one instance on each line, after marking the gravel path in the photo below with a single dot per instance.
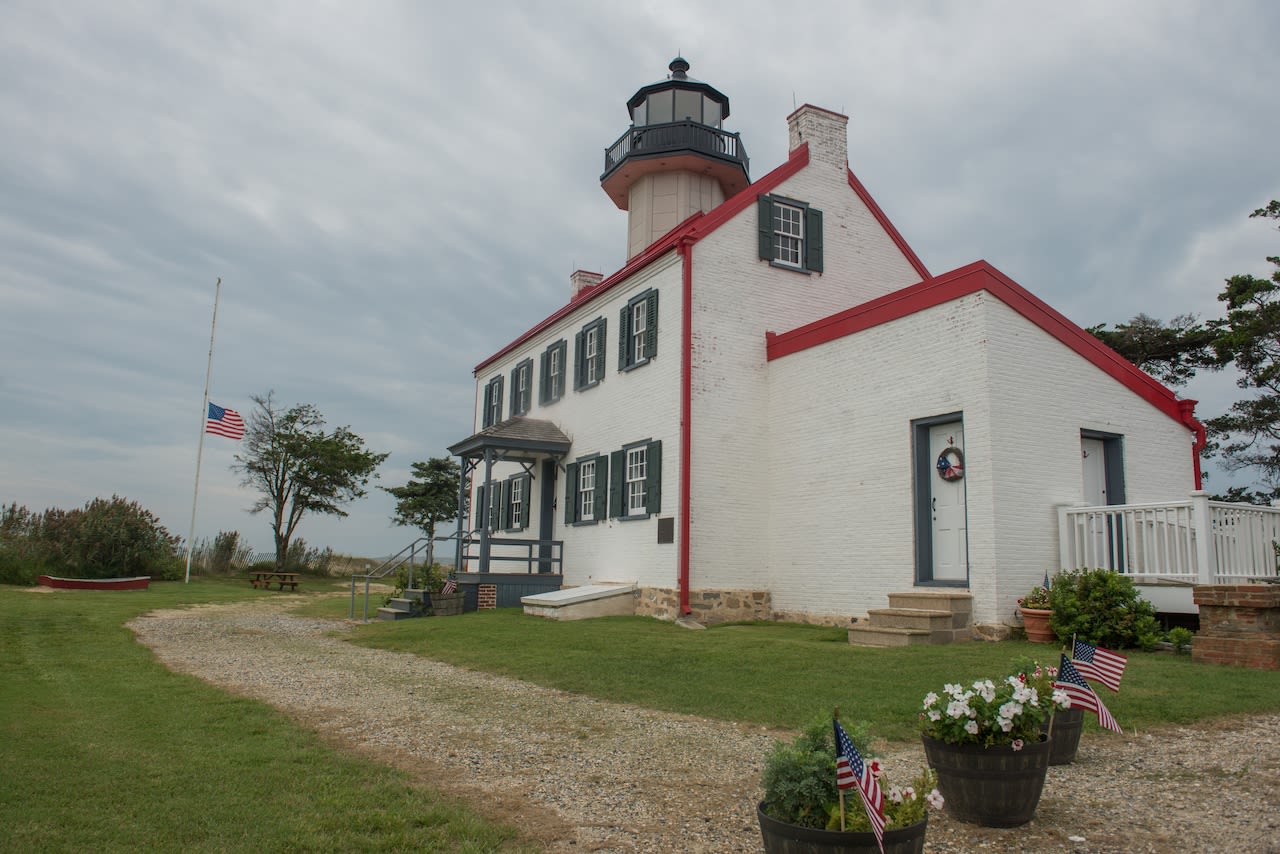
579 774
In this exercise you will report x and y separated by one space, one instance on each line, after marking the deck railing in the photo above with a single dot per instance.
1196 541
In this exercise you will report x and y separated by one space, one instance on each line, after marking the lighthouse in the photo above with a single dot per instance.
676 159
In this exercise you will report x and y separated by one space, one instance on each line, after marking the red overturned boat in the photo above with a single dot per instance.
139 582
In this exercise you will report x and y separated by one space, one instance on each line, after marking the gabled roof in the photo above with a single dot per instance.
528 435
699 226
981 276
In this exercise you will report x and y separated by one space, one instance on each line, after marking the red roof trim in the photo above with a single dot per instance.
981 276
695 227
890 229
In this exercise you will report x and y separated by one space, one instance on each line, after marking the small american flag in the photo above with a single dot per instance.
450 586
1094 662
1082 696
224 422
851 772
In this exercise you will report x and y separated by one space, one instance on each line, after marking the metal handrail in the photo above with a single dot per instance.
384 569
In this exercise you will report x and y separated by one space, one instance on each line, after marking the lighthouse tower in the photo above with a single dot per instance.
676 159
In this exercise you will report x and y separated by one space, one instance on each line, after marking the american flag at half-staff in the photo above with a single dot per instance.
224 422
1082 696
1099 664
851 773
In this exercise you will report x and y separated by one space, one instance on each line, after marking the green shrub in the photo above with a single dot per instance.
1181 638
1102 608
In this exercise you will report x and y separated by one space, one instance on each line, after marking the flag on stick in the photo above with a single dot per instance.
852 772
450 586
1082 696
224 422
1094 662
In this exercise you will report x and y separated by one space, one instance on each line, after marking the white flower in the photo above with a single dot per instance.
935 715
958 709
909 793
930 699
894 794
1017 744
971 727
1062 699
953 690
935 799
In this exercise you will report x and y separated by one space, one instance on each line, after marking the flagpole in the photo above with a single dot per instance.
204 417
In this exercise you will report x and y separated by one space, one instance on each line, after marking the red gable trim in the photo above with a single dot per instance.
894 234
695 228
981 276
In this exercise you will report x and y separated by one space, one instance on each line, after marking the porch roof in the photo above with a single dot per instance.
517 436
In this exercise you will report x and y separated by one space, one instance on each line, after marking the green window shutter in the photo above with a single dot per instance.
570 493
497 398
544 369
514 404
602 488
488 392
651 327
765 208
624 335
653 497
506 505
481 507
600 351
578 372
564 368
618 485
526 482
813 240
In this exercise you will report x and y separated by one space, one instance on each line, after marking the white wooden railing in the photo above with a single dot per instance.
1196 541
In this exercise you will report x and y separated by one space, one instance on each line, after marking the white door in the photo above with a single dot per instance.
947 504
1093 472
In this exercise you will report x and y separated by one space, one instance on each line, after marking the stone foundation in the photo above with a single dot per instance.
707 606
1239 625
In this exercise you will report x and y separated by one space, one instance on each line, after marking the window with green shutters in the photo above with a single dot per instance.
790 234
515 502
635 490
492 402
551 370
588 355
521 387
586 490
638 331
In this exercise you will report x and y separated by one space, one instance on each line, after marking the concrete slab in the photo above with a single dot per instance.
580 603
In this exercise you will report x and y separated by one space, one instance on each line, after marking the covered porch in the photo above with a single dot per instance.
1167 548
496 561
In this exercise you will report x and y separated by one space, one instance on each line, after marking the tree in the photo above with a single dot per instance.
1171 354
430 497
299 467
1248 435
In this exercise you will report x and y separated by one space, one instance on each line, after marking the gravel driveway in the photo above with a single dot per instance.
579 774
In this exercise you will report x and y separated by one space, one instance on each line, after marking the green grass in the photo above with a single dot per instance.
103 749
786 675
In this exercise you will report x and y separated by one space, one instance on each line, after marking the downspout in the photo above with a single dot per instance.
1187 408
685 247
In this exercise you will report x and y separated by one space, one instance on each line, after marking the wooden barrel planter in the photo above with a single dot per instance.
1064 735
783 838
446 604
993 786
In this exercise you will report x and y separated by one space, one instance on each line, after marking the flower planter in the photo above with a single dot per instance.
993 786
1064 735
446 604
782 838
1036 622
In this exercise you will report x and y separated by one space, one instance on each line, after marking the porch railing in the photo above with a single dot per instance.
1197 541
538 556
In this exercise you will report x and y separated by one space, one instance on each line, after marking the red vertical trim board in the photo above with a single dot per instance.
686 414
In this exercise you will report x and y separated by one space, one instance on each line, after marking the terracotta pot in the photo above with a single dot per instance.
993 786
1036 622
782 838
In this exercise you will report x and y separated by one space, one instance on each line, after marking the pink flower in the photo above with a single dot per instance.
1017 744
935 799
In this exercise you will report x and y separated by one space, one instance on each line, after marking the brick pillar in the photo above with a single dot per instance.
1239 625
486 597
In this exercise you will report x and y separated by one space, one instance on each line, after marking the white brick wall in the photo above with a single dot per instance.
842 493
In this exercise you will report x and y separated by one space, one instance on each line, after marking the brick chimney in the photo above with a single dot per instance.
580 280
826 132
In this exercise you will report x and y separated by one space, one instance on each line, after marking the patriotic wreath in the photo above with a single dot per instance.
951 464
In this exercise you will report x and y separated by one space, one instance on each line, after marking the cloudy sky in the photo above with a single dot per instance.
390 191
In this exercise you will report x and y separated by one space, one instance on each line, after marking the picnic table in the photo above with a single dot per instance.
265 578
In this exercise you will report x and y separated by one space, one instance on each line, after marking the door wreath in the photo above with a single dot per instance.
951 464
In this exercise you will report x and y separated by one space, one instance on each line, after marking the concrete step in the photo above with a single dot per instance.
911 618
401 604
955 601
395 613
866 635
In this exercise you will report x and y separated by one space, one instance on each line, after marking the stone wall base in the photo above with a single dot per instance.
1239 625
707 606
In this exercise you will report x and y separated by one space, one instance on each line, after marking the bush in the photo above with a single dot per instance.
1102 608
1181 638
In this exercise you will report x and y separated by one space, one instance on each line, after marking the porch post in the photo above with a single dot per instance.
462 511
1202 527
1066 539
485 512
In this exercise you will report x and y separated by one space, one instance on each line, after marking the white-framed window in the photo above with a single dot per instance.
788 234
587 490
637 480
589 347
638 330
552 369
516 504
521 387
